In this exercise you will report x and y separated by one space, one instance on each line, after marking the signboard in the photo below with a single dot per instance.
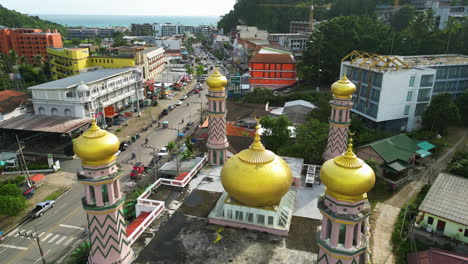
235 80
50 160
109 111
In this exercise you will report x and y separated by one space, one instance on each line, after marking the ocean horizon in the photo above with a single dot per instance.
126 20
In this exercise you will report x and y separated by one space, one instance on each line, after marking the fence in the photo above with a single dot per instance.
190 175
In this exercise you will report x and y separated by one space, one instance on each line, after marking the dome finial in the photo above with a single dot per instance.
94 126
343 88
257 144
349 152
349 159
216 81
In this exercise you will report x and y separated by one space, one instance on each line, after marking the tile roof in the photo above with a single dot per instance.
272 58
436 256
10 100
448 198
400 147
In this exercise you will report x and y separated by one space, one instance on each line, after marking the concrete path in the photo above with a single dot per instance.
382 233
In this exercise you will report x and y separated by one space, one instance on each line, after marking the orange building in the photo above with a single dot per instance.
273 69
29 42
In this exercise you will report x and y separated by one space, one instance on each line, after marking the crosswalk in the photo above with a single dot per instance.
52 238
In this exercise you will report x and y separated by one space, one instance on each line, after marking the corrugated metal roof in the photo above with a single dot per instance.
299 102
42 123
86 77
448 198
399 147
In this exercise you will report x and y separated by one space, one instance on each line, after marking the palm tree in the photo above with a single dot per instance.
39 62
130 202
81 253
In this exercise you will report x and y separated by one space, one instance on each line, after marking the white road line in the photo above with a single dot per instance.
60 240
68 241
15 247
13 232
28 232
46 237
74 227
40 258
41 234
17 233
52 239
3 251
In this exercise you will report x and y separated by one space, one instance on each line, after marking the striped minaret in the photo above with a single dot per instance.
340 117
217 143
103 201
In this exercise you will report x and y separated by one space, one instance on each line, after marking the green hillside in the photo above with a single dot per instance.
11 18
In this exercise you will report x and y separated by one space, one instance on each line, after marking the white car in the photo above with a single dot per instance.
163 152
179 102
184 97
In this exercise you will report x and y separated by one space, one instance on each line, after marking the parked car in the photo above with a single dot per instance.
163 152
124 145
184 97
179 102
137 170
197 91
41 208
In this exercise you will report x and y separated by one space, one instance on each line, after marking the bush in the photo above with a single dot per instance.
459 164
12 205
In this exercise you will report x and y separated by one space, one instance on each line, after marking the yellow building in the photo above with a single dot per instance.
71 61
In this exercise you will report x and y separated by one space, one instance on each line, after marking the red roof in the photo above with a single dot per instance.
436 256
37 177
232 130
10 100
136 223
272 58
181 176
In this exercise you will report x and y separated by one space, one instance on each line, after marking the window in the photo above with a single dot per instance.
342 235
439 86
420 109
377 79
249 217
427 80
453 73
424 95
409 95
466 232
407 109
261 219
430 220
70 94
270 220
441 73
440 226
375 95
411 81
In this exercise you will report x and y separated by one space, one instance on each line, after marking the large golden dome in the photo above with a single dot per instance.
96 146
256 176
216 81
347 177
343 88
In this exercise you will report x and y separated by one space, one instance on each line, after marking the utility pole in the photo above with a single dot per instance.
23 161
35 236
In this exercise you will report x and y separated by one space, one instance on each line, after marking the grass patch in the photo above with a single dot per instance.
55 195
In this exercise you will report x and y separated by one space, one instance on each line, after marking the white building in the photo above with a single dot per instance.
168 43
246 32
154 62
87 94
393 91
289 41
13 103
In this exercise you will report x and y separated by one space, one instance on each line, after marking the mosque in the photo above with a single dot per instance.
249 210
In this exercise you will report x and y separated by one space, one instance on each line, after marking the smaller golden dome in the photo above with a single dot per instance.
216 81
96 146
347 177
343 88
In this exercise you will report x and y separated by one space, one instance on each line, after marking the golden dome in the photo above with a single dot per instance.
96 146
216 81
256 176
347 177
343 88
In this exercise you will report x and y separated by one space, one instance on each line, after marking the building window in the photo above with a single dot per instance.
407 109
420 109
270 220
409 96
377 79
466 232
441 73
430 220
261 219
427 80
67 112
453 72
41 110
440 226
424 95
375 95
439 86
411 81
342 234
54 111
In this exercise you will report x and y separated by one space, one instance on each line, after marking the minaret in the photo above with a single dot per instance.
217 143
103 200
345 226
339 120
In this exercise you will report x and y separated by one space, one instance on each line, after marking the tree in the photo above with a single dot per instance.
276 132
130 202
12 205
10 190
200 70
171 145
259 95
353 7
118 39
462 104
189 70
81 253
440 113
75 42
402 18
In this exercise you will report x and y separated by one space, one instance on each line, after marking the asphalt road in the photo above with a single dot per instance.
61 228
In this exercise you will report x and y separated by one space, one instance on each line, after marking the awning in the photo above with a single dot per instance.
395 166
423 153
111 115
425 145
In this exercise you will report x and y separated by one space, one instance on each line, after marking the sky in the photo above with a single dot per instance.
122 7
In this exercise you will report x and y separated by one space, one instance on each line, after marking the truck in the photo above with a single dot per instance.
137 170
41 208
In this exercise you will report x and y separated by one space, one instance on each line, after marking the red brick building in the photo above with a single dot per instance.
29 42
273 69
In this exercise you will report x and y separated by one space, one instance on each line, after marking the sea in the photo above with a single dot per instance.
126 20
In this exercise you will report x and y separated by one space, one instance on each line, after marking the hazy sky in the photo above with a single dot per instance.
122 7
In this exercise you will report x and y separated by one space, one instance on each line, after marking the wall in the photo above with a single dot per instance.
451 228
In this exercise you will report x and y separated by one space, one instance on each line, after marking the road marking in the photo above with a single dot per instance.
46 237
68 241
52 239
60 240
41 234
40 258
21 231
3 251
27 232
13 232
11 246
70 226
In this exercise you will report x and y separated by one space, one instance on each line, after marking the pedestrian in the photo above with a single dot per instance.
133 155
146 141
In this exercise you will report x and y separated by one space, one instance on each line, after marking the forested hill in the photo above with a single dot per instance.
11 18
275 19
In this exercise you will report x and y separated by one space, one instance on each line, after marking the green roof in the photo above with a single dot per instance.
423 153
426 145
400 147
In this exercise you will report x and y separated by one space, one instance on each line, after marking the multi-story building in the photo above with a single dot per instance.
289 41
67 62
154 61
272 68
92 33
204 30
384 13
168 43
29 42
87 94
246 32
166 29
145 29
186 29
299 26
445 10
393 91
